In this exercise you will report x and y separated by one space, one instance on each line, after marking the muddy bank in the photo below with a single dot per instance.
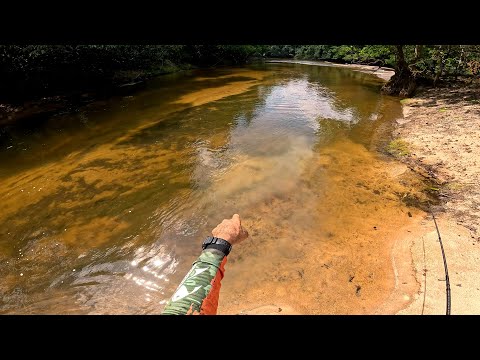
439 138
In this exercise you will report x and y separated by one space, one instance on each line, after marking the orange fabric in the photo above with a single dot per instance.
210 303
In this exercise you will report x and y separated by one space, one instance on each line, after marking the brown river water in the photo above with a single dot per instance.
104 206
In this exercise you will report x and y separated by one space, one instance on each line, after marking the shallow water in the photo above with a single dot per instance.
105 206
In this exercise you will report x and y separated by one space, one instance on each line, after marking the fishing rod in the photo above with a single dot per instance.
447 279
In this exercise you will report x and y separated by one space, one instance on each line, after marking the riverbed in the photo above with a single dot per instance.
105 205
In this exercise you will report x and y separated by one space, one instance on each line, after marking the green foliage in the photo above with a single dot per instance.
280 51
398 147
36 70
365 54
28 70
237 54
379 54
444 61
426 61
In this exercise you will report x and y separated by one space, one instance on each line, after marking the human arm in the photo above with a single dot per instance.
199 290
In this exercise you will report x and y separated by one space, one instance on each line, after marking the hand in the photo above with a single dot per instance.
231 230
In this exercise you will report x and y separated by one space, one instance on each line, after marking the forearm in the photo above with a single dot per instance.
199 290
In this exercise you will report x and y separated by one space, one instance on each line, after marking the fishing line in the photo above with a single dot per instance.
424 275
447 279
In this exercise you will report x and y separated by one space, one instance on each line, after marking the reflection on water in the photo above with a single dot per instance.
105 207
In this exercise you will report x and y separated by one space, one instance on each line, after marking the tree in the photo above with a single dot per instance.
403 82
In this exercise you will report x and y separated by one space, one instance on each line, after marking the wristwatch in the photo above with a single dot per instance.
212 242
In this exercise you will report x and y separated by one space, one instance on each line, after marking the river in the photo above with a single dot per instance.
105 206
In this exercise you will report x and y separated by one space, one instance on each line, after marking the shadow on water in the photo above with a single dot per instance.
105 209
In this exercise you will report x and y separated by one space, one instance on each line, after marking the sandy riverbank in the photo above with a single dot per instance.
441 133
382 72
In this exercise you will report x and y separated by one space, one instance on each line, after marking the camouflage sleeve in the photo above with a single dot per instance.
199 290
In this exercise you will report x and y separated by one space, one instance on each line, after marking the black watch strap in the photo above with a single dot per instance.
212 242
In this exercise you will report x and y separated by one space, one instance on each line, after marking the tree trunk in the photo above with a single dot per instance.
418 55
440 67
418 52
403 82
460 62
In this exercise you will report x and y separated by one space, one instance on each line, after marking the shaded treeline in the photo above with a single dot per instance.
29 71
33 71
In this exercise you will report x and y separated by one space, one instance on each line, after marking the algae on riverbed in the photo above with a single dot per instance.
398 147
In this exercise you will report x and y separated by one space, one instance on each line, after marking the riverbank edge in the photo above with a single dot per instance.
383 73
10 112
434 120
